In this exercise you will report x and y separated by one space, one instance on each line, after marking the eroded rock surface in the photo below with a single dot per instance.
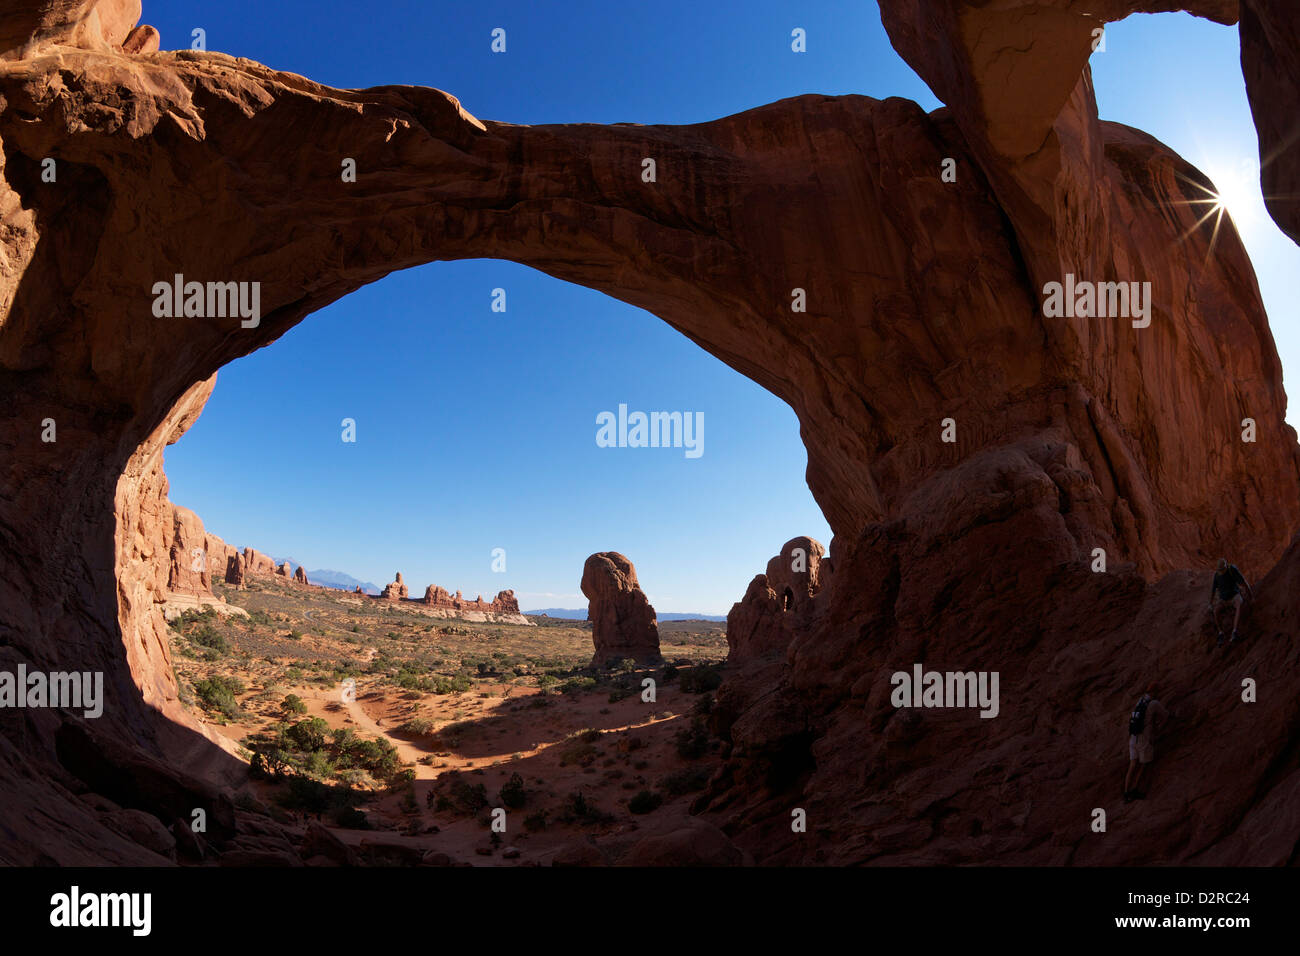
779 603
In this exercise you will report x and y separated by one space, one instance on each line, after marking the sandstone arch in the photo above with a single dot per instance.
922 304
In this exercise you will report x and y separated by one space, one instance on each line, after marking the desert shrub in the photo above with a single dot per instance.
645 802
462 796
454 684
318 764
308 735
512 793
535 821
218 694
417 727
692 742
684 781
207 636
578 809
576 685
697 680
293 705
376 756
403 778
579 747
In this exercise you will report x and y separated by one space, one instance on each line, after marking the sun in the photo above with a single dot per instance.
1237 191
1235 195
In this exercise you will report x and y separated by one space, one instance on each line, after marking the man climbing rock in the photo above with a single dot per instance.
1225 590
1147 717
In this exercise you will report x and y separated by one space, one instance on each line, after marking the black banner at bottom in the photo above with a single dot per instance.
130 906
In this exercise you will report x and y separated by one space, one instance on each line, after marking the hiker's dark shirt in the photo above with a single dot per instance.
1227 583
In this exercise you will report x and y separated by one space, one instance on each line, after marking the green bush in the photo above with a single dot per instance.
308 735
292 706
416 727
461 796
456 684
208 636
218 694
512 793
697 680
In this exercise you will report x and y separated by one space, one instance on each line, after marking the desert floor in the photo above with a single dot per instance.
384 724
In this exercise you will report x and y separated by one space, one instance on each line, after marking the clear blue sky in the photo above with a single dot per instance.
476 430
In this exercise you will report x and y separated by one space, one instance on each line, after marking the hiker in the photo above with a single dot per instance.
1147 717
1224 590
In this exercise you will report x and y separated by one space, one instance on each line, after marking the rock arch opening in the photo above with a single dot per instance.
919 305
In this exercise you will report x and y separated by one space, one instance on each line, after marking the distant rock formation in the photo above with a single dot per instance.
235 571
623 623
503 603
188 572
285 570
780 603
397 590
257 563
300 575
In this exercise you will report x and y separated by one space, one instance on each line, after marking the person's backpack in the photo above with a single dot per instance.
1138 719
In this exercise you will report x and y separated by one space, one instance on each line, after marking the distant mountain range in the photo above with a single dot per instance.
334 579
580 614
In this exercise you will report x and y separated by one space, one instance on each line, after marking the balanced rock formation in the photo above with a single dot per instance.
1072 434
395 590
779 603
300 575
623 624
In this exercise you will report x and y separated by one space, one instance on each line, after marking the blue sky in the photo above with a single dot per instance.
476 429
